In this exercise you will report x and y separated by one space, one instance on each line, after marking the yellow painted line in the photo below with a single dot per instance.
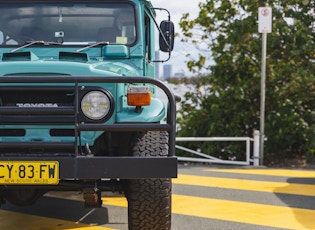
250 185
18 221
250 213
115 201
269 172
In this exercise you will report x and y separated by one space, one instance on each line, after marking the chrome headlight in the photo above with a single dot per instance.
95 105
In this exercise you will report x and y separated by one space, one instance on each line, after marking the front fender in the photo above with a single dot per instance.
155 112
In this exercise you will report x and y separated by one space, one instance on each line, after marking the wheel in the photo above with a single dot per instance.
149 200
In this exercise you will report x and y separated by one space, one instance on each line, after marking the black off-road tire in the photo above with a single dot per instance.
149 200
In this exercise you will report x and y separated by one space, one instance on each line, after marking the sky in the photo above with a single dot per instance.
177 8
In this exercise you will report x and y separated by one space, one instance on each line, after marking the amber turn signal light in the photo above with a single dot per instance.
139 96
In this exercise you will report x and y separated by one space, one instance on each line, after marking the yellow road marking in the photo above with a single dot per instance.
18 221
269 172
250 213
251 185
115 201
259 214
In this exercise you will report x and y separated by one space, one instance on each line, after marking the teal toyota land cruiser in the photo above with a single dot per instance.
78 105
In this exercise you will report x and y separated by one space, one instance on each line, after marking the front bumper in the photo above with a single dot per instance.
85 167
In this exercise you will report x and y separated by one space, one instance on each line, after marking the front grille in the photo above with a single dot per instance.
40 96
37 105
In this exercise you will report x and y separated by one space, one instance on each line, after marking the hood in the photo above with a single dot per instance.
72 64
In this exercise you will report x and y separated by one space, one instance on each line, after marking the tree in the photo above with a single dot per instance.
230 31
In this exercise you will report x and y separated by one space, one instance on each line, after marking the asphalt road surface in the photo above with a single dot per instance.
203 198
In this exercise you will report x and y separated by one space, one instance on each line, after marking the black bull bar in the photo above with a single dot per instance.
81 167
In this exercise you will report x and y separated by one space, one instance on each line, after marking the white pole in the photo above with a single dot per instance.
264 27
256 147
263 95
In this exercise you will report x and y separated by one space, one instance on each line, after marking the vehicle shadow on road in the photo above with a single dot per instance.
58 209
302 206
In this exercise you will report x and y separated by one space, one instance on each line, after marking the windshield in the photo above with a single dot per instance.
72 24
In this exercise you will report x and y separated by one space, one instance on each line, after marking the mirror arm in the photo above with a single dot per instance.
162 61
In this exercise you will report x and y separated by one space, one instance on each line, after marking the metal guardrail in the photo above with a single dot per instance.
206 158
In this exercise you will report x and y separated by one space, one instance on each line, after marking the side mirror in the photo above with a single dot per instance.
166 39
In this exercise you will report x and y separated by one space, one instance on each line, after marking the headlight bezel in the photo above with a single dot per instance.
87 91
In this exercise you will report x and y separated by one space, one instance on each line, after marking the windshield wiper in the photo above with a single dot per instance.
30 43
92 45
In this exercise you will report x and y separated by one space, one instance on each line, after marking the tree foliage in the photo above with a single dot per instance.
232 108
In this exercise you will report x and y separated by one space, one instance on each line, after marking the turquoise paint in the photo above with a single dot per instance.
153 113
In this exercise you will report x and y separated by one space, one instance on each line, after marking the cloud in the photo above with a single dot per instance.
179 7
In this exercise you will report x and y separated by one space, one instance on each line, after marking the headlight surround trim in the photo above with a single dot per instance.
96 99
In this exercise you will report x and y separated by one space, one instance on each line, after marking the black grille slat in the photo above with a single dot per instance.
36 119
62 132
12 132
38 144
67 110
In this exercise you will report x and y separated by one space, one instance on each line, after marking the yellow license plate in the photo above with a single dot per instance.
29 172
